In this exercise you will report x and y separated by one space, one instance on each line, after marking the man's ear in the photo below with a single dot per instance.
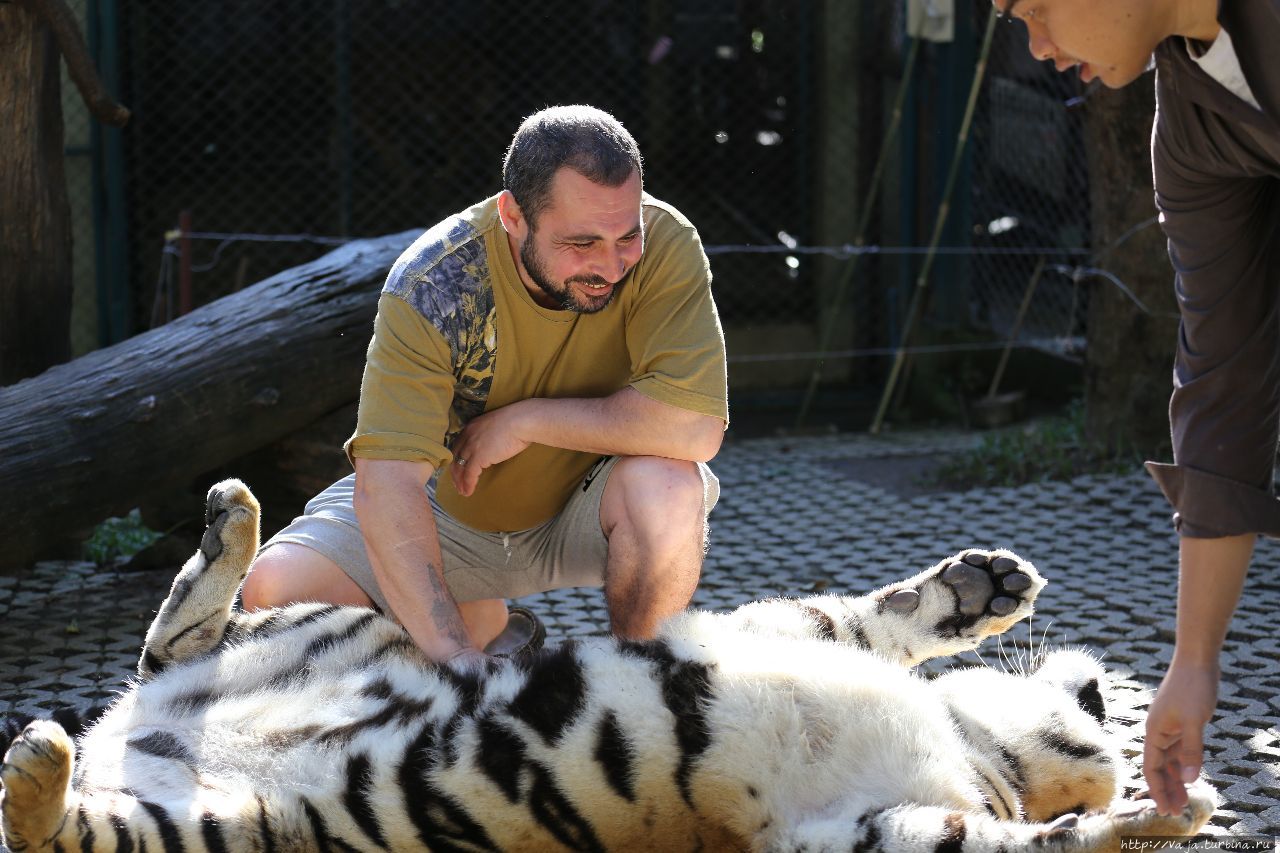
513 218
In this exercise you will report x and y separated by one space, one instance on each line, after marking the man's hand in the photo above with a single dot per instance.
487 440
1173 750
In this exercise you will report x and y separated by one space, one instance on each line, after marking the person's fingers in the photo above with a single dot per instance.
1190 756
470 476
1157 769
456 472
1153 774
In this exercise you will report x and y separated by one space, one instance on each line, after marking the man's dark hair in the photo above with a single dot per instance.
590 141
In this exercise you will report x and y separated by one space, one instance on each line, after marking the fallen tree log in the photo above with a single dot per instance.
106 432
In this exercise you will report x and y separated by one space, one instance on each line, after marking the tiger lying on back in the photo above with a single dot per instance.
786 725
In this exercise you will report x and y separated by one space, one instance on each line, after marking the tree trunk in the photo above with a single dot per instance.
1129 362
35 218
104 433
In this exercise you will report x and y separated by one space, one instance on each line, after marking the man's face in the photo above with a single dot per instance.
586 241
1111 40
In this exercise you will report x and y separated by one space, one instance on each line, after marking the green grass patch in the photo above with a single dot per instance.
1053 448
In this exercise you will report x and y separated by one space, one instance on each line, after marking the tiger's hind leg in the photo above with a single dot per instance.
194 617
37 778
947 609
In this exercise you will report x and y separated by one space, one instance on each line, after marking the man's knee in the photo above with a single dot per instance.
655 496
285 573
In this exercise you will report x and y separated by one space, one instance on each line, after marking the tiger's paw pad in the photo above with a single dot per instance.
982 592
231 519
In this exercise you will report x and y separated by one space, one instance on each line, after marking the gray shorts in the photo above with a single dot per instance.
568 550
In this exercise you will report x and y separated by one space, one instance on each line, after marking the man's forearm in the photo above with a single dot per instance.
1210 579
404 548
626 423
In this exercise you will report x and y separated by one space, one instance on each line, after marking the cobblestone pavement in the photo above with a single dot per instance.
792 520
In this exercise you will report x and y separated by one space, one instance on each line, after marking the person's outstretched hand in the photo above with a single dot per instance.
1173 751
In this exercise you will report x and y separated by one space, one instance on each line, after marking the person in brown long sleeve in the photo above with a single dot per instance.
1215 155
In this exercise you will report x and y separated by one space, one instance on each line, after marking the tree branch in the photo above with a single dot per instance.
66 32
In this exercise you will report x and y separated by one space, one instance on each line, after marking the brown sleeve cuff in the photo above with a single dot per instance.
1209 507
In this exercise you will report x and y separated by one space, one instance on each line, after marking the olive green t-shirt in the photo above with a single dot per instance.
457 334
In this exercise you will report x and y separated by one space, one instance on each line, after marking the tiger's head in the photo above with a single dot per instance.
1038 739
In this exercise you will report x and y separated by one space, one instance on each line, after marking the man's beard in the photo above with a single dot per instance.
562 293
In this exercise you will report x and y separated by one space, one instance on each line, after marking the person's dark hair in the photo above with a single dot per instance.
590 141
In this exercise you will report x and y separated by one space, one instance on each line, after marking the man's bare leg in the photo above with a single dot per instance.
286 573
652 514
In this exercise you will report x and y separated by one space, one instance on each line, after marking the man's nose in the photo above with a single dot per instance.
614 264
1038 43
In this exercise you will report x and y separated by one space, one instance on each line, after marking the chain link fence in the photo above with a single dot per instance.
762 120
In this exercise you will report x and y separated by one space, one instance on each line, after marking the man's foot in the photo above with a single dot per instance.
523 635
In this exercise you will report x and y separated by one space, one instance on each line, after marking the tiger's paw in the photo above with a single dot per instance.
231 524
1132 819
965 598
36 775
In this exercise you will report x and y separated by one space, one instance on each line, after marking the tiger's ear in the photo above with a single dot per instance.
1080 674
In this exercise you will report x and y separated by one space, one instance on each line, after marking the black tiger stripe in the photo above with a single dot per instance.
194 701
552 809
686 690
451 750
124 841
554 694
265 832
656 651
616 756
953 834
399 645
181 589
58 848
283 621
211 832
1015 776
151 665
164 745
87 836
825 625
169 835
439 820
328 642
320 831
870 830
1090 699
398 709
177 638
358 797
379 688
1058 743
501 755
859 634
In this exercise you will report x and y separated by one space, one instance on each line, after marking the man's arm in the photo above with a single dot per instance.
400 535
1210 580
626 423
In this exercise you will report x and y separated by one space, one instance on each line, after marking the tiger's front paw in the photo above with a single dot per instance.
967 597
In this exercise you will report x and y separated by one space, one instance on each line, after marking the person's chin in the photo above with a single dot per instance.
1113 77
593 299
